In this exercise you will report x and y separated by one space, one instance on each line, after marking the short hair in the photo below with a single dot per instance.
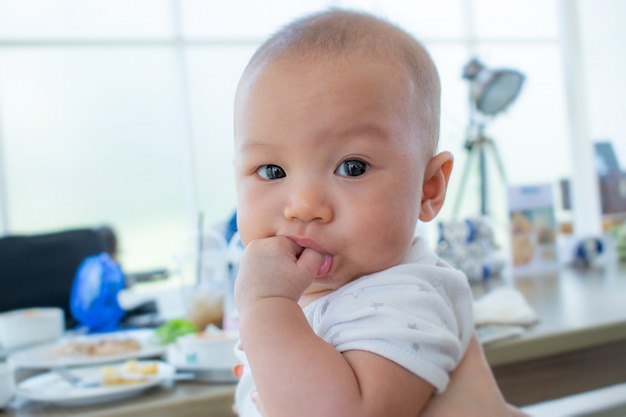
337 33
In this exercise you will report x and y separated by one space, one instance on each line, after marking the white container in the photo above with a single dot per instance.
204 350
30 326
7 384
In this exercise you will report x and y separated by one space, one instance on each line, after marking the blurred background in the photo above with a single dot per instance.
120 112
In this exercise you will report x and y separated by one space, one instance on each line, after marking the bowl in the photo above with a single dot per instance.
204 350
29 326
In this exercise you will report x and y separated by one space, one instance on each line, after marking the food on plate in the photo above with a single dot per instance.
143 368
102 347
173 329
131 372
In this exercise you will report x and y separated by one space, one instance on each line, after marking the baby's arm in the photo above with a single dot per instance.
295 371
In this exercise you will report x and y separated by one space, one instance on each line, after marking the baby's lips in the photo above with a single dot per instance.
327 264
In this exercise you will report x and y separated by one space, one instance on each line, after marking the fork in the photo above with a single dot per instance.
74 380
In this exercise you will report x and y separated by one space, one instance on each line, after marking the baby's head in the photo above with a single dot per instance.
336 127
339 35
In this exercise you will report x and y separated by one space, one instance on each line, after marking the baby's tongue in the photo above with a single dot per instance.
327 263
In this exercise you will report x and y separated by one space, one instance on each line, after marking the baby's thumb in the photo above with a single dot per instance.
310 262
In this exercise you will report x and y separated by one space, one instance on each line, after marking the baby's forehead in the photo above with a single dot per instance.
353 39
320 60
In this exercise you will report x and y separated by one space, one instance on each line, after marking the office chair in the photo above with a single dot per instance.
38 270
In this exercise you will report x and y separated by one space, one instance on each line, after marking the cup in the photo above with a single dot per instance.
7 384
205 306
202 268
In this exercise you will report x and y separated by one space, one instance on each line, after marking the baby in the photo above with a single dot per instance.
343 311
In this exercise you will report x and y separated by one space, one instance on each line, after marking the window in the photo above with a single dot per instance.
120 112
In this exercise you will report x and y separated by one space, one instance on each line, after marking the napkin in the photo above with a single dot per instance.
503 305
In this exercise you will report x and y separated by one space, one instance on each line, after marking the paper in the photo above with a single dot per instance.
503 306
532 228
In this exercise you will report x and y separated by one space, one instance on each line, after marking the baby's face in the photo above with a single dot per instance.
325 155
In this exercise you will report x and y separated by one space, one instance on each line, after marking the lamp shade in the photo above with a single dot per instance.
492 90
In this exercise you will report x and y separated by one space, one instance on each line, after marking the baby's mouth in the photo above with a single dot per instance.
327 261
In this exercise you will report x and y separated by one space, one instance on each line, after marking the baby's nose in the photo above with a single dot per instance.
309 203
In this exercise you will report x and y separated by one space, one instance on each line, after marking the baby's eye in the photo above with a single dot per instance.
352 168
271 172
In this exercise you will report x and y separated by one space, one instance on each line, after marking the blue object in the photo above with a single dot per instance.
231 227
93 300
588 250
472 230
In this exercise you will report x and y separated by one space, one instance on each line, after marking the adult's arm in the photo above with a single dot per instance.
472 391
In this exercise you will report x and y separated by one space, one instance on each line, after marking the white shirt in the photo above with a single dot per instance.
417 314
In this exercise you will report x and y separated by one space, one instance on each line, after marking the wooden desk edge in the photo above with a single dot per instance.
214 402
527 347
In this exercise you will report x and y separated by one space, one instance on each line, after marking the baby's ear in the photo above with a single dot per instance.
436 178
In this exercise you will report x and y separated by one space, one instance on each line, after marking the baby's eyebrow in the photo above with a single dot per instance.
363 130
255 144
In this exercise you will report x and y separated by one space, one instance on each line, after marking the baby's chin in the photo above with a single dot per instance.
321 286
340 275
330 282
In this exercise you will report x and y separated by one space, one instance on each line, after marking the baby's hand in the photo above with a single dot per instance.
275 267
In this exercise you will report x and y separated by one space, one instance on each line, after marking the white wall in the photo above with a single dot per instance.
603 32
594 61
109 104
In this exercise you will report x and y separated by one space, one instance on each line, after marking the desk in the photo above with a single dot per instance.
579 343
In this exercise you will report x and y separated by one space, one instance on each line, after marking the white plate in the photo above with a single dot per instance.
50 388
46 356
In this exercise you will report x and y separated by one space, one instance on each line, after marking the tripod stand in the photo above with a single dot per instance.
479 147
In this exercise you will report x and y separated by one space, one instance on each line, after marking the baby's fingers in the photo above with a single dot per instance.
313 263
